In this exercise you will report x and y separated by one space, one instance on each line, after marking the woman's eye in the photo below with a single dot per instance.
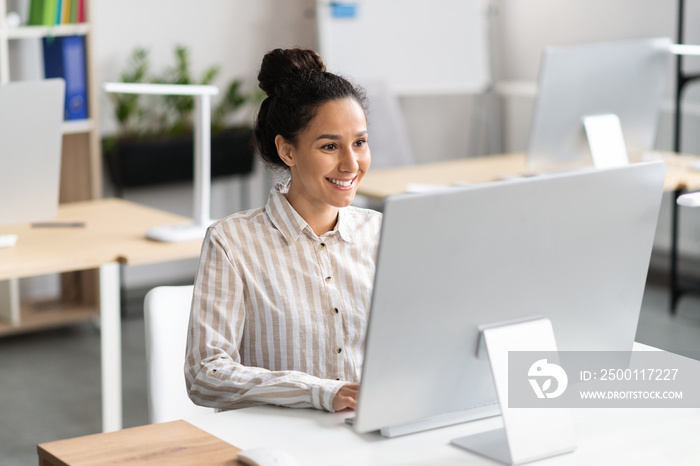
360 142
328 147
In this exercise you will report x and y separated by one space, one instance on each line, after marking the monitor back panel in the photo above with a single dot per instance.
31 114
625 78
571 247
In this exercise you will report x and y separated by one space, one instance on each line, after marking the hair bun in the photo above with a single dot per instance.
281 65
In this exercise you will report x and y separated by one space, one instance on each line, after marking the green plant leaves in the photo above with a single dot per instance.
148 116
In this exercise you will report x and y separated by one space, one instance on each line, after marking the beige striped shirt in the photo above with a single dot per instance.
279 314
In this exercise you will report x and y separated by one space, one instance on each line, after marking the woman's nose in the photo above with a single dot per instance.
348 161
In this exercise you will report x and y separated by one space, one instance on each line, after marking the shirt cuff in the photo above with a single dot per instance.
322 395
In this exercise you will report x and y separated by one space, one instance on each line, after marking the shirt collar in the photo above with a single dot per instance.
347 225
291 224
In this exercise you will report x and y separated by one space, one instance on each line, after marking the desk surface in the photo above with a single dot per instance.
604 437
114 231
378 184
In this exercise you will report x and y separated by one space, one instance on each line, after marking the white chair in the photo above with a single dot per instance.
166 316
389 140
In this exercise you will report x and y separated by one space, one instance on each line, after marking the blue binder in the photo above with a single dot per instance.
64 57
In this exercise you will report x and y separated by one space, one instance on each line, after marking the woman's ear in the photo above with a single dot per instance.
285 150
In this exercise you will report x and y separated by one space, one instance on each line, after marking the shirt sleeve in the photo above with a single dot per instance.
214 374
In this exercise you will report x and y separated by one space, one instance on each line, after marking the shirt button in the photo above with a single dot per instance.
337 350
334 310
329 279
322 245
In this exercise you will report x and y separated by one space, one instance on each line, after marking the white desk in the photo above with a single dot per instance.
604 437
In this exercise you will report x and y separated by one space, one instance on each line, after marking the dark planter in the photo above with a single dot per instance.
148 162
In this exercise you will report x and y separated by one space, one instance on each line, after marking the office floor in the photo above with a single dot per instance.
50 381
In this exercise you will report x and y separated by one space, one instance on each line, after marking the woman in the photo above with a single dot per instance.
282 293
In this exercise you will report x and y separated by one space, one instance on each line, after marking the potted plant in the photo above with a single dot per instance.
154 143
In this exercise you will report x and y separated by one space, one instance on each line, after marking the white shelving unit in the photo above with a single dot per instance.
81 179
81 176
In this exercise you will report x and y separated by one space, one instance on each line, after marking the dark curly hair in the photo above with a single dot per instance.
297 84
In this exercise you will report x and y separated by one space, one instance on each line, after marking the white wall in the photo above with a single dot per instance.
524 27
236 33
233 34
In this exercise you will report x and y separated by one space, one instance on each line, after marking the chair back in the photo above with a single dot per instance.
389 140
166 317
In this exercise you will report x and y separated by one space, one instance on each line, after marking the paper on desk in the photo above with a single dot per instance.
650 156
431 188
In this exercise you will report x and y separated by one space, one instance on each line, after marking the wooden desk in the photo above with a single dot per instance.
378 184
114 231
172 443
114 234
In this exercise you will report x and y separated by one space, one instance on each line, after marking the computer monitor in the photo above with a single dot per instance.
623 78
31 114
572 247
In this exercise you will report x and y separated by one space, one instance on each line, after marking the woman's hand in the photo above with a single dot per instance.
346 398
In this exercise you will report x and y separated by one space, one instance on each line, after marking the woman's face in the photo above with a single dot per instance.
330 158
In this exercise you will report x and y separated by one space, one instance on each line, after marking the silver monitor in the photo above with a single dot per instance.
31 114
573 247
623 78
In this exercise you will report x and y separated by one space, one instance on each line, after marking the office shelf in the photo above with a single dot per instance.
78 126
28 32
81 179
49 314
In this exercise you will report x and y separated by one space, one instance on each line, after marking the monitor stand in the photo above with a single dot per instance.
528 434
606 141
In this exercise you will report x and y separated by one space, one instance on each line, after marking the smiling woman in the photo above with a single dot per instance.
282 293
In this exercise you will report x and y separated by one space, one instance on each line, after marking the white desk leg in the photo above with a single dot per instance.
111 347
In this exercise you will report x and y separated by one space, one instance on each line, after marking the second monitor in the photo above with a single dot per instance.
623 78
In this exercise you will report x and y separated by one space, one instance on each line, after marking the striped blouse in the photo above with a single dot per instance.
279 314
